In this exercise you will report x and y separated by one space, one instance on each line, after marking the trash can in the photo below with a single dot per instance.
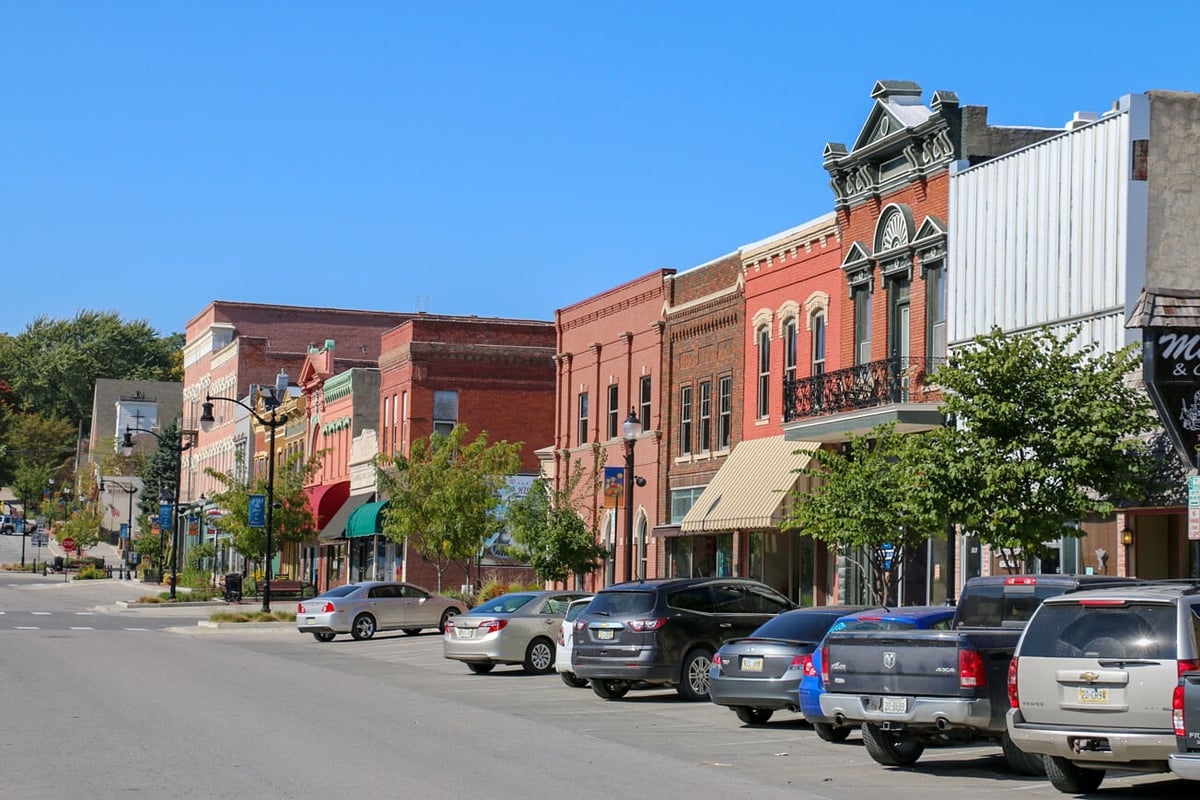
58 563
233 587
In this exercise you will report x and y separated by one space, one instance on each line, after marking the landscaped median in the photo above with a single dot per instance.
249 620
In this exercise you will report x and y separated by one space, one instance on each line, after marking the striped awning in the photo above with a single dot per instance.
751 489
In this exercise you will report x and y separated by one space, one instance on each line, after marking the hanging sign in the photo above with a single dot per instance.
1171 363
257 511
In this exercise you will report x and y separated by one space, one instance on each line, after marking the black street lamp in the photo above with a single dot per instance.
272 403
130 490
177 448
632 429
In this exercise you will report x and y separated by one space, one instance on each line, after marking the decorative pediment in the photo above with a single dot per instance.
930 243
880 124
857 265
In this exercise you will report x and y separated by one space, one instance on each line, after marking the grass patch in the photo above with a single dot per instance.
253 616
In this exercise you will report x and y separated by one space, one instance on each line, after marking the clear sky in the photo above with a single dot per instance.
492 158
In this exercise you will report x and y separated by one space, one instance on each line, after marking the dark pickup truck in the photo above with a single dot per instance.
913 688
1185 711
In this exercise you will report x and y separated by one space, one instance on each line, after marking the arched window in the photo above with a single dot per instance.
764 372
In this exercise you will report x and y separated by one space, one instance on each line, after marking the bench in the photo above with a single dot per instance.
287 588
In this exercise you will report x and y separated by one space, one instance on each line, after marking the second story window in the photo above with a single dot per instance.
764 372
818 344
582 431
935 310
862 325
445 412
614 410
685 421
644 402
789 350
724 412
705 416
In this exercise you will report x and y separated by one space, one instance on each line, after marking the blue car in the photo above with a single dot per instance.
897 619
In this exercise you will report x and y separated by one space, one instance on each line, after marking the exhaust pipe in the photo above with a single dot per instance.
839 720
942 723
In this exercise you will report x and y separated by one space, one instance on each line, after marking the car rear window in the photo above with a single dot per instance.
618 603
875 625
796 626
504 604
575 609
1003 606
1072 630
340 591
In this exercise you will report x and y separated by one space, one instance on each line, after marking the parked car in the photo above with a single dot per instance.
1185 718
1092 682
518 628
878 619
566 636
663 633
8 525
760 674
362 609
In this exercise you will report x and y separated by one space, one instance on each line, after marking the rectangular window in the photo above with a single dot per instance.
900 334
705 416
685 420
644 412
935 309
682 501
402 420
582 430
764 372
818 344
614 412
862 325
445 411
790 355
725 412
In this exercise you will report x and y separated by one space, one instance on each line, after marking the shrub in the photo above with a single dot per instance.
253 616
90 573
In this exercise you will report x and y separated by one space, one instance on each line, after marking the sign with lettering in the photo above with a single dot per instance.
257 511
1193 529
1171 362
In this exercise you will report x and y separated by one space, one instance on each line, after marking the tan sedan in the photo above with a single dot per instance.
517 628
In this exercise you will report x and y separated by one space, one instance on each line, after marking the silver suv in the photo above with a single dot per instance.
1091 683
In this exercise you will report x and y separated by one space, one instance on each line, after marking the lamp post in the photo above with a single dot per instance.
1127 541
632 428
177 448
129 490
271 423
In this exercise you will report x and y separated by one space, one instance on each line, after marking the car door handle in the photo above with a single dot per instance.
726 624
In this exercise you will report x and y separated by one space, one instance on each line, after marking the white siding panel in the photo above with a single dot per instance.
1038 237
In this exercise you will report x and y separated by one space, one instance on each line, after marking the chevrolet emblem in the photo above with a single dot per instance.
1090 677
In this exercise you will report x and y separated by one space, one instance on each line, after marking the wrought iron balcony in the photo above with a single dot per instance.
879 383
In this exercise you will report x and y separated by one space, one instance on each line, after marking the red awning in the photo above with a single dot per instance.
326 499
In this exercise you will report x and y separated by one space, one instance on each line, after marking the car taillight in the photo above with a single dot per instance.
803 663
328 608
825 665
639 625
580 624
1013 699
1177 721
1186 665
449 623
970 670
299 608
492 625
1020 580
561 641
1104 602
716 660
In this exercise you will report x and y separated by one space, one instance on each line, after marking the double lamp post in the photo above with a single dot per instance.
271 423
176 447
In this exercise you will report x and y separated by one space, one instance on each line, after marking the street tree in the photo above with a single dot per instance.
1048 432
83 526
30 480
549 532
877 500
37 439
292 519
444 495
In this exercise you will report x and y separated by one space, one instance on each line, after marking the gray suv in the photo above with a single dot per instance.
1091 682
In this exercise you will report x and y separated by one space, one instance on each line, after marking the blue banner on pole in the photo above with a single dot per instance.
124 530
257 512
165 512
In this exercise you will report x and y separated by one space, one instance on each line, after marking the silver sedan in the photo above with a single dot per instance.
361 609
518 628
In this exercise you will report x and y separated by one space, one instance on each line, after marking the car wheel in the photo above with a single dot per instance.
828 732
753 716
693 677
480 667
323 636
573 680
447 614
1070 778
891 748
609 689
363 627
539 657
1019 761
411 631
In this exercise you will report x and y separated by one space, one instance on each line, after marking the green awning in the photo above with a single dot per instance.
367 520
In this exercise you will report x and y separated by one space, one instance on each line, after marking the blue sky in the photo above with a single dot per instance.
499 159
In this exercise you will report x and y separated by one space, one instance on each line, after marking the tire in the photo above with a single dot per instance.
753 716
1019 761
411 631
891 748
363 627
609 689
323 636
539 657
480 667
1069 778
828 732
447 614
693 676
573 680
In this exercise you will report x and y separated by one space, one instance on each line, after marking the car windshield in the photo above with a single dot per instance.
799 627
620 603
340 591
504 604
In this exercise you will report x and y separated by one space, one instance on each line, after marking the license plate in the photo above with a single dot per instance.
751 663
604 633
1093 694
465 633
310 620
893 705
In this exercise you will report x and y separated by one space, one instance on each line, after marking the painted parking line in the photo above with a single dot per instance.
81 628
40 613
85 613
27 628
137 629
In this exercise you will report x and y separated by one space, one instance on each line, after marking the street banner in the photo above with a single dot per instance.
614 487
257 512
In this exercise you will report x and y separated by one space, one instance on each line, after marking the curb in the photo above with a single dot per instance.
207 623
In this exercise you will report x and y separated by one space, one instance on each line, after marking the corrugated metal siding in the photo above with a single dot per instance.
1037 238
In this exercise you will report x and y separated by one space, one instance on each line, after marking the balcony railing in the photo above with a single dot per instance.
879 383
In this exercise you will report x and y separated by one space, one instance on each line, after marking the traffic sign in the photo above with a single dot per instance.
68 543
